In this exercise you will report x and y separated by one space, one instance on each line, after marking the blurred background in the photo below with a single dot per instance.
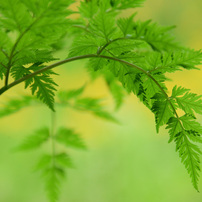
124 163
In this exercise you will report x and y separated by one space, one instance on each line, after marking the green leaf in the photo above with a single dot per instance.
189 154
151 88
188 102
94 106
42 85
171 61
63 160
44 89
44 162
174 127
156 36
162 110
36 140
53 177
14 105
15 15
103 25
126 25
69 138
88 9
84 45
116 90
64 96
190 124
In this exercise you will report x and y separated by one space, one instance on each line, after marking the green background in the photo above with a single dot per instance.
124 163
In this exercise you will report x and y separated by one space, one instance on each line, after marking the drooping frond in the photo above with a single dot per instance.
184 131
189 154
42 85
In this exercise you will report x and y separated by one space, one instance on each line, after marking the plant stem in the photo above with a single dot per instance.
2 90
52 136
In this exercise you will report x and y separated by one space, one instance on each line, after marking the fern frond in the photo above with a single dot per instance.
94 106
53 177
88 9
103 25
189 154
188 102
156 36
190 124
44 89
41 85
15 15
65 96
185 130
63 160
69 138
36 140
14 105
151 89
115 88
126 25
171 61
84 45
162 110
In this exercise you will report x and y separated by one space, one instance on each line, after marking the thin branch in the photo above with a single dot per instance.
2 50
5 88
2 90
81 27
3 65
112 41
